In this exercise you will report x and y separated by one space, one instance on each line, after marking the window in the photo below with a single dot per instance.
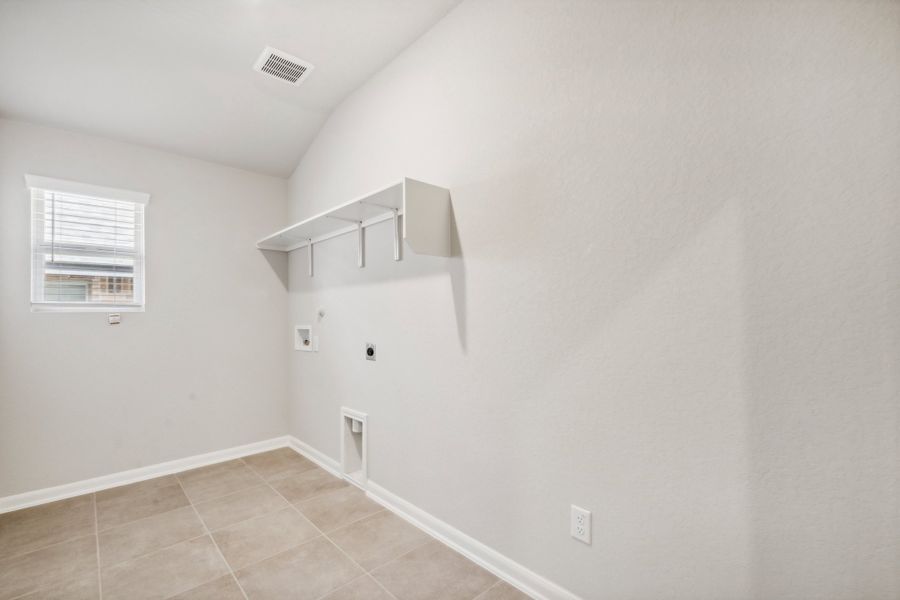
87 246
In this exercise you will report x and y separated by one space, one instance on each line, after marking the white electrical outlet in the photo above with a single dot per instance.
581 525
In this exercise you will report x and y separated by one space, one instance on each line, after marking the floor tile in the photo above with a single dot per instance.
127 503
302 573
503 591
279 463
164 573
48 567
339 508
240 506
378 539
148 535
83 588
251 541
223 588
361 588
308 484
29 529
434 572
217 480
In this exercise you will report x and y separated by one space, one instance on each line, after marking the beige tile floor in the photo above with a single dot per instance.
271 525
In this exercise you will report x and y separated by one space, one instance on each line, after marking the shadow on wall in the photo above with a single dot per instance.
457 267
278 261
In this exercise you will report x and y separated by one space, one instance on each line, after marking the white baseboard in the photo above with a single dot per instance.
502 566
96 484
324 461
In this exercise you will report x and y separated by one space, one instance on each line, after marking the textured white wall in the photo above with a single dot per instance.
204 368
674 302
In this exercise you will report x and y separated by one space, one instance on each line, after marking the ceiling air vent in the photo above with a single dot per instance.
283 66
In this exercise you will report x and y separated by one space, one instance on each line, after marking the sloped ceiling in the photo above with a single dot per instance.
177 74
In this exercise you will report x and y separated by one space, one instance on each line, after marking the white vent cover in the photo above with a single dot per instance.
282 65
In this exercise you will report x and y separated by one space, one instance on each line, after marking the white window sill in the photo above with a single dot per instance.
91 308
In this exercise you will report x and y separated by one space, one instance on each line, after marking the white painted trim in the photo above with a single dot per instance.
326 462
502 566
96 484
78 188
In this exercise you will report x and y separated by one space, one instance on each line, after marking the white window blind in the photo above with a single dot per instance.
87 246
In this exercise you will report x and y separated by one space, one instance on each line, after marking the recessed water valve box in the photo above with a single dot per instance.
304 340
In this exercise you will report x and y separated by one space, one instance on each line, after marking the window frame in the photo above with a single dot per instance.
139 275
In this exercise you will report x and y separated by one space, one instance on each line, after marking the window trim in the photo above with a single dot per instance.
96 191
69 307
65 186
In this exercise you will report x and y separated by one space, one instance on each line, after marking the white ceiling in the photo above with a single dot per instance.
177 74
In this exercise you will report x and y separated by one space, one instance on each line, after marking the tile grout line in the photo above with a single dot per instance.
434 539
42 588
349 523
312 468
483 592
207 531
97 539
341 550
192 502
215 545
290 506
39 548
383 508
66 541
158 550
139 519
325 493
331 541
340 587
395 559
369 571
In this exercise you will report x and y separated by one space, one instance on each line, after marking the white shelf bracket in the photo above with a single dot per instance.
360 254
309 256
396 221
